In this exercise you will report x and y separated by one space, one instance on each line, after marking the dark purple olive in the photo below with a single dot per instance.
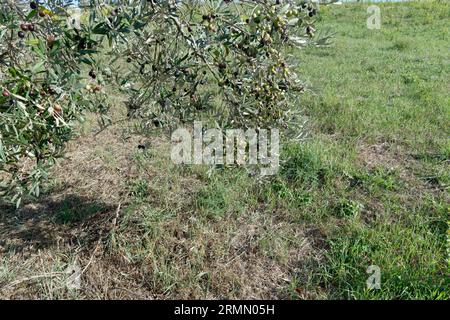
92 74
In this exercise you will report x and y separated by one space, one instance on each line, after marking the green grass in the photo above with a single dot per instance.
384 87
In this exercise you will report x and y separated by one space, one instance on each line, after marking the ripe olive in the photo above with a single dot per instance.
21 34
41 14
31 27
33 5
24 26
92 74
5 93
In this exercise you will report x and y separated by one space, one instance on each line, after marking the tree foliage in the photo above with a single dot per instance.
175 60
221 59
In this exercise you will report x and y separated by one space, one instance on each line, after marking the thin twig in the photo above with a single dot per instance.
91 259
116 218
45 275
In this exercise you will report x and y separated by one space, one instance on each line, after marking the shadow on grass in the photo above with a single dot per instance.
71 220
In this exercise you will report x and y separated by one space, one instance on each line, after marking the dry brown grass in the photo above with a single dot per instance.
155 245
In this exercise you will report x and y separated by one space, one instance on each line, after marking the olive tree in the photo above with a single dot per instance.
221 60
44 89
177 60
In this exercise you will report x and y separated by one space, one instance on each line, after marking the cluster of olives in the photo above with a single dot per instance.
30 27
34 5
239 60
309 9
24 27
209 21
93 88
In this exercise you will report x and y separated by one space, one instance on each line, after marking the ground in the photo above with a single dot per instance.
367 186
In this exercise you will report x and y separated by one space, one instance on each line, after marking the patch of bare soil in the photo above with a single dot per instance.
262 273
375 155
385 156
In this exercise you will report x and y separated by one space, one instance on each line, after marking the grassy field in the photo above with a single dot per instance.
368 186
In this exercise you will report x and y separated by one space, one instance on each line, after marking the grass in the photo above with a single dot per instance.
379 117
369 186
